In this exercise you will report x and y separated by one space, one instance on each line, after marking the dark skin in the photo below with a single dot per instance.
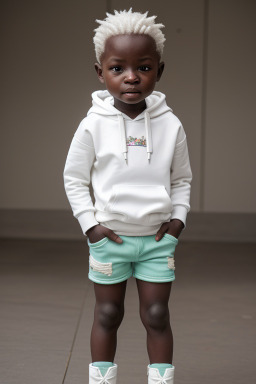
130 67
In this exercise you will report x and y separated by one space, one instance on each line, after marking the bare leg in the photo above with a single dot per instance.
108 315
154 314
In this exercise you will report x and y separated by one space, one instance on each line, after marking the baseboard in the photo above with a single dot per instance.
60 224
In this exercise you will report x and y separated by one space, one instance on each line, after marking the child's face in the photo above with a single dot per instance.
130 68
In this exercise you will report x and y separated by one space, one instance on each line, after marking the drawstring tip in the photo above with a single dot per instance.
148 156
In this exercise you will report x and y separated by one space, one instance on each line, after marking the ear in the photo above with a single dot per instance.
99 71
160 70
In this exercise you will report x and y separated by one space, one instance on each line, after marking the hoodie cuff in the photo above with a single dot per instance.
180 212
87 221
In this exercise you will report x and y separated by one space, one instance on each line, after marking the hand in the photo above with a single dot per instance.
174 228
98 232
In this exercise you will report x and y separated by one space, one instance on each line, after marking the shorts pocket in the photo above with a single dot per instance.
99 243
171 238
171 242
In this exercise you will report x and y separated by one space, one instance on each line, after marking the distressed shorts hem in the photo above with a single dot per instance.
110 280
152 279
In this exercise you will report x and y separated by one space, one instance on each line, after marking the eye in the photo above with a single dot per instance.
116 69
144 68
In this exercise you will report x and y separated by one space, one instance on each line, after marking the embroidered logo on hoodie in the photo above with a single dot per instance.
134 141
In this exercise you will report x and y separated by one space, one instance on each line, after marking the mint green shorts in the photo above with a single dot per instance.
140 256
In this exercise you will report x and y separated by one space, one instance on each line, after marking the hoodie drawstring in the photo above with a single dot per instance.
123 136
148 135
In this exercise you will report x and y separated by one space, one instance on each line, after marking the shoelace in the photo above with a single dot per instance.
105 381
161 381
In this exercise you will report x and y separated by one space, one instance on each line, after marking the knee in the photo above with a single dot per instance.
110 315
156 317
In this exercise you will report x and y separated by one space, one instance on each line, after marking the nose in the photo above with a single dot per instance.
131 77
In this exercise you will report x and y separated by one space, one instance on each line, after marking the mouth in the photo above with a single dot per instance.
131 92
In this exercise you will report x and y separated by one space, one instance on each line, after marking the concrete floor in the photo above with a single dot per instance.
47 309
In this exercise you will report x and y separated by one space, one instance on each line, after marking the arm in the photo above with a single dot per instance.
77 170
80 159
181 177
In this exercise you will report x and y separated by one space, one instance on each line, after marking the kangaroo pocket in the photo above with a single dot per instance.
139 204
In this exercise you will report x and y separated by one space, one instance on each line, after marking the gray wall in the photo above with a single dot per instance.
48 76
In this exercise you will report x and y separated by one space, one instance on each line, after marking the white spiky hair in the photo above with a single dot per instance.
127 22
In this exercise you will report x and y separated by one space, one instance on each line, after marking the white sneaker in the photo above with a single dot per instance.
95 376
154 376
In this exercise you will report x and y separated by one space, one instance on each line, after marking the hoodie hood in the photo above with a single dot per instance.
103 104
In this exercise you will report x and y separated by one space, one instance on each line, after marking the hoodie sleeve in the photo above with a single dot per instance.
80 159
181 177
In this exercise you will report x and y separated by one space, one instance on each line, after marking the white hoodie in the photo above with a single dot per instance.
139 168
